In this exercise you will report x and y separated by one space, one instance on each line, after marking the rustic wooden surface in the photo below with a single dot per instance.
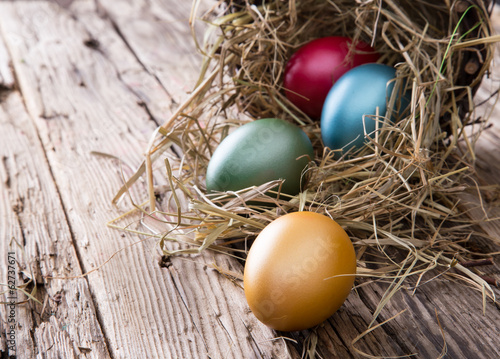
80 77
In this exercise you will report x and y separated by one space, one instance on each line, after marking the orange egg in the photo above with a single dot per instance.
299 271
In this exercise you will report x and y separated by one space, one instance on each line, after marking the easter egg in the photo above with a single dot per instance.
258 152
313 69
351 104
299 271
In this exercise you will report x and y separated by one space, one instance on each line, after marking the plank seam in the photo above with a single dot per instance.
116 28
68 223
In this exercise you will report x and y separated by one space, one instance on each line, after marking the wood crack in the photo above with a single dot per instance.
38 217
391 333
94 44
118 31
108 67
4 354
101 320
4 91
187 307
116 27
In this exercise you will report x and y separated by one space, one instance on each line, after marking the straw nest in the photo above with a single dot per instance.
402 191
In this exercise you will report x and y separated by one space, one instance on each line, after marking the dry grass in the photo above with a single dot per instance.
400 191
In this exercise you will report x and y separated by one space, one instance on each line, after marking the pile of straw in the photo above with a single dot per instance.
401 191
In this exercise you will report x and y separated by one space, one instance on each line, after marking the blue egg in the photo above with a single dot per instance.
356 94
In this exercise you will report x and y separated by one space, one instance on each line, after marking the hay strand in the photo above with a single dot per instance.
401 191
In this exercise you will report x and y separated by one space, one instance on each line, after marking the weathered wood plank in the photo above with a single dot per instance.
145 25
91 77
6 76
428 339
487 165
15 325
36 231
79 103
158 34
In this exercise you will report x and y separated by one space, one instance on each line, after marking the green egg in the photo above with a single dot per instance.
258 152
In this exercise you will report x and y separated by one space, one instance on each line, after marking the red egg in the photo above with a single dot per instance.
312 70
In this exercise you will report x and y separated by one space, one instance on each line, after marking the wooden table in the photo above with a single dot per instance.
83 77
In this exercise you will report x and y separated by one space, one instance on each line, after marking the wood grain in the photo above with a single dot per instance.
6 76
99 76
78 100
158 35
37 232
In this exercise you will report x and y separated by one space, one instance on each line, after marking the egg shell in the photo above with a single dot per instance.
356 94
258 152
299 271
313 68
